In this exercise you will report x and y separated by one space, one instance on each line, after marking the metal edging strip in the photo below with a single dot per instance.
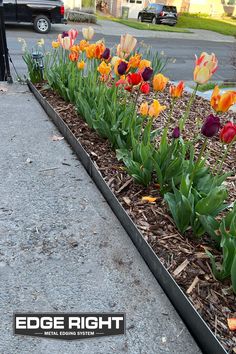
205 338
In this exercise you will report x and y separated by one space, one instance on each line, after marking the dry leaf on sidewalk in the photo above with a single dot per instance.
57 138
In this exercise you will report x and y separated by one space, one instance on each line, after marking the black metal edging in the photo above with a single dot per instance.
206 340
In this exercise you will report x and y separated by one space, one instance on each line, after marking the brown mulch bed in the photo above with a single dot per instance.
185 258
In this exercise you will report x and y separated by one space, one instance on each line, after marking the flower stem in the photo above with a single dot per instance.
171 112
224 157
189 105
203 148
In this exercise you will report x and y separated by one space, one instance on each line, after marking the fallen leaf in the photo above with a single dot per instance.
231 324
149 199
57 138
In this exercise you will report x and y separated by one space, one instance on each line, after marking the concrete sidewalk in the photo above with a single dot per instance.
62 249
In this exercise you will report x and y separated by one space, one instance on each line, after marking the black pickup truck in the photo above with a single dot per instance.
39 12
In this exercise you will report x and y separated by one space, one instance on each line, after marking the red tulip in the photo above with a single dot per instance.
228 133
134 79
145 88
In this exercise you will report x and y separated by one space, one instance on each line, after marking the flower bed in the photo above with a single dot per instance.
182 253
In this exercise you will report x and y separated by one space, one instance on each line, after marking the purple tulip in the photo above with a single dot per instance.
147 73
122 67
211 126
176 133
106 54
64 34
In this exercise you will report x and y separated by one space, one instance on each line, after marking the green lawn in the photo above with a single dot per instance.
185 22
219 26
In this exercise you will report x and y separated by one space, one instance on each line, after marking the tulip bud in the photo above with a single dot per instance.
228 133
145 88
106 54
211 126
147 73
122 67
176 133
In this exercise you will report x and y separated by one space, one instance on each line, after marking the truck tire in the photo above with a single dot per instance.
42 24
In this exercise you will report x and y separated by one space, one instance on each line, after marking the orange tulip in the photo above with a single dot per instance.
104 69
205 66
134 61
90 51
222 103
73 56
99 49
159 82
126 46
155 109
83 44
177 91
143 110
75 48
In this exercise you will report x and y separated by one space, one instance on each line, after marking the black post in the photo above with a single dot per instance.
5 74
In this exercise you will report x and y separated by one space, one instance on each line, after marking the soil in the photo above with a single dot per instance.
184 257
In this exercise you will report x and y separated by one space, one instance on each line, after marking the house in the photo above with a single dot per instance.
211 7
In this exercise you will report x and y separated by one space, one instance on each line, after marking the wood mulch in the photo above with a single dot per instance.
185 258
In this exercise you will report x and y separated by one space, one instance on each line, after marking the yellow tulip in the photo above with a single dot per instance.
144 64
205 66
134 61
83 44
90 51
155 109
55 44
143 110
159 82
104 69
81 65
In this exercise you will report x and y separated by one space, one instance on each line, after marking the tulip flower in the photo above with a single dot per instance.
106 54
99 49
90 51
145 88
122 67
147 73
134 61
134 79
228 133
83 44
222 103
211 126
176 133
65 41
64 34
73 56
155 109
104 69
177 91
72 33
88 33
143 110
126 46
159 82
115 60
81 65
144 64
205 66
55 44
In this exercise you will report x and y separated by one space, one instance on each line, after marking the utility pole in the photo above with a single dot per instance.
5 74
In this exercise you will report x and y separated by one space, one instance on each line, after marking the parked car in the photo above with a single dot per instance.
159 13
39 12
